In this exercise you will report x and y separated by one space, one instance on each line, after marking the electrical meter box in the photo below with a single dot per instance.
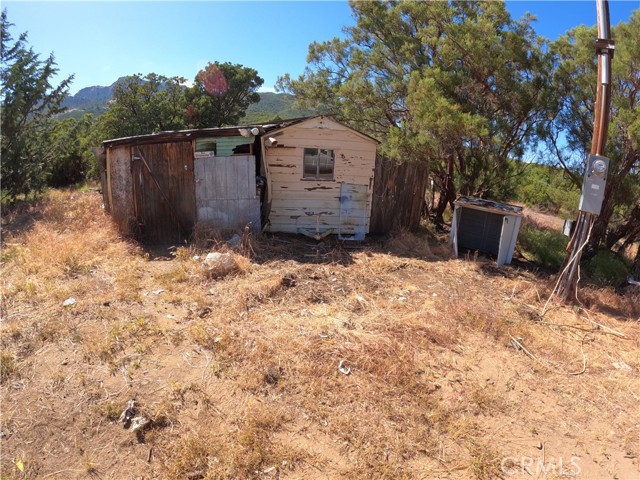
593 184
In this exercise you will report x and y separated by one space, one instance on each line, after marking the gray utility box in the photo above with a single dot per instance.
487 226
593 184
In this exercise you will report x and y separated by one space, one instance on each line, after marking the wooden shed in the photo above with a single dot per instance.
320 176
312 176
486 226
157 187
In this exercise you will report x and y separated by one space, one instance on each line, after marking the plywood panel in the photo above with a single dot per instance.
226 192
120 187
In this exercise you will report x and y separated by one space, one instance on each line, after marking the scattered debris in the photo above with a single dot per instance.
342 369
69 301
289 281
129 412
515 343
218 264
632 281
138 423
622 366
195 475
154 292
273 375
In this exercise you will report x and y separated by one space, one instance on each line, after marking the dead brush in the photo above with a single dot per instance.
207 237
406 243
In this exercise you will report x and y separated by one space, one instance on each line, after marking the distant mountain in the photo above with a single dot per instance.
272 106
88 100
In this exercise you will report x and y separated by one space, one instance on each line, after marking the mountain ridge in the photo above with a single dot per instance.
272 106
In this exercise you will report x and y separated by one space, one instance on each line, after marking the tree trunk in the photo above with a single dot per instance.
447 193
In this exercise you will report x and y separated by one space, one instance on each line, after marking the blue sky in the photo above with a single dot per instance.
102 41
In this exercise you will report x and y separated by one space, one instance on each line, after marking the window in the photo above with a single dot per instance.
318 164
205 147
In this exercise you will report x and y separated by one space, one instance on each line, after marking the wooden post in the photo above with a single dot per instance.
568 279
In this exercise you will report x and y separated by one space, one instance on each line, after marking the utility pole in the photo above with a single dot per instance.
568 279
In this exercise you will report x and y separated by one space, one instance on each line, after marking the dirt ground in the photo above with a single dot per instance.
382 359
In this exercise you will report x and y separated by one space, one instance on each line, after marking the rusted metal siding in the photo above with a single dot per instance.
225 189
163 191
299 205
398 196
119 188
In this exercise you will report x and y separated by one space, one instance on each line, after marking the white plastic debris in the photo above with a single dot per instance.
632 281
218 264
138 423
622 366
69 301
342 369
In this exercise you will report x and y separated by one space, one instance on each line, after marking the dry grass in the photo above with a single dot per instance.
240 375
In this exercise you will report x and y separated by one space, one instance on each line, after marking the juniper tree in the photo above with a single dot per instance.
29 101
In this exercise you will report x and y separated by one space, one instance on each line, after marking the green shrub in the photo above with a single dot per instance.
606 269
543 246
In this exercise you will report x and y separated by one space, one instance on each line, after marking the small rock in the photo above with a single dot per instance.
234 241
69 301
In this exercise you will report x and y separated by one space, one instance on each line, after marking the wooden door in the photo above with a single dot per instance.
163 190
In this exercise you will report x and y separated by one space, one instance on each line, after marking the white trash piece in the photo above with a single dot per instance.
218 264
69 301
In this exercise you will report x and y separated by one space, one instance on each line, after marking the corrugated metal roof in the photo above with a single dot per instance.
488 205
184 135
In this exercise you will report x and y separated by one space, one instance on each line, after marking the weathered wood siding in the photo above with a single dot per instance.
226 191
398 196
163 191
119 187
298 204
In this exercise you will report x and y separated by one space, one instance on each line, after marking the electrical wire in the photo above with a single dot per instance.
574 258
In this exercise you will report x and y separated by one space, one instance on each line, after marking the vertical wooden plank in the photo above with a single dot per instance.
398 195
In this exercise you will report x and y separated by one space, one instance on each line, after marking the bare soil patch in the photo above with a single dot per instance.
385 359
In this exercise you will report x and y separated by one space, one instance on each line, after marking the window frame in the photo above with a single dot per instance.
318 177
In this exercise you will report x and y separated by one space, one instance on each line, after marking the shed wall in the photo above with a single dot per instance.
298 204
